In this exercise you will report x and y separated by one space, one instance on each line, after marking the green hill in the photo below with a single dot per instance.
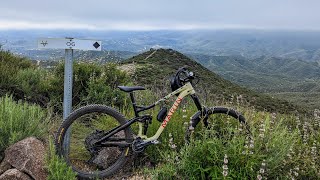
154 68
265 74
294 80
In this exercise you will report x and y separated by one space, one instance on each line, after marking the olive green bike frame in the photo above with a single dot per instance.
183 91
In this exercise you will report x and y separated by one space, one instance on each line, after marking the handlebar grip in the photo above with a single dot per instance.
188 75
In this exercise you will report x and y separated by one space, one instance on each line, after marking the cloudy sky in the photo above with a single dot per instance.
160 14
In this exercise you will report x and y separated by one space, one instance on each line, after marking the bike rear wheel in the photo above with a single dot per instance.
86 126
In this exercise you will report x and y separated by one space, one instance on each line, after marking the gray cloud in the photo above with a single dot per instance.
160 14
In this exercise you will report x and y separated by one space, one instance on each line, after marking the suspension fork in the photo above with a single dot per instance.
202 113
197 103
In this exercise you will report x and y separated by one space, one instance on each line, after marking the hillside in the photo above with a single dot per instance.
294 80
153 69
264 74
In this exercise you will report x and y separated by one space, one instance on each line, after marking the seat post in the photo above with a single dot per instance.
134 104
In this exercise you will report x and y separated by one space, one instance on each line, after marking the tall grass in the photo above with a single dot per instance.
280 146
19 120
57 167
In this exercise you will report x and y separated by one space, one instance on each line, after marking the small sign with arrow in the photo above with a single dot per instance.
69 43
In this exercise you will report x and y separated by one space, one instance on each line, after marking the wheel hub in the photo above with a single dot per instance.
91 140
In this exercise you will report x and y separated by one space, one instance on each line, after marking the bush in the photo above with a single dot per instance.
18 120
92 83
33 86
57 167
20 78
271 153
10 65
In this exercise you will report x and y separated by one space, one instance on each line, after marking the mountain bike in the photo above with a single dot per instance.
102 141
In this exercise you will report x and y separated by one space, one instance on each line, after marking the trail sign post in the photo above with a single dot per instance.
69 44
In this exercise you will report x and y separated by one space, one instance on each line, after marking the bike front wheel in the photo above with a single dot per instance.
86 126
225 122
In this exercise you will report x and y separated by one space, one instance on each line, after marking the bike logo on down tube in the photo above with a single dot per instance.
172 110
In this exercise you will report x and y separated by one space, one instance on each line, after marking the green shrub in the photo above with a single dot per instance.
205 156
18 120
103 89
57 167
92 83
33 86
29 80
20 78
10 65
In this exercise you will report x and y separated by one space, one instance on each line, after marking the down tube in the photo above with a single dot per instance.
168 117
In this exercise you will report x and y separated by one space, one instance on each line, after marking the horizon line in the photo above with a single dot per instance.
158 29
22 25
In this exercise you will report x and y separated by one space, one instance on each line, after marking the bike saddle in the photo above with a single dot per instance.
130 88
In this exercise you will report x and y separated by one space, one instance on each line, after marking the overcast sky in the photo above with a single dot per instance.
160 14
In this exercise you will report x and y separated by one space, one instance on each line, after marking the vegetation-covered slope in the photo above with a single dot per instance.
294 80
264 74
91 82
154 68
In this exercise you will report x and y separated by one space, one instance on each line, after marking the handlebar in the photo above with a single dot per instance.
189 75
182 77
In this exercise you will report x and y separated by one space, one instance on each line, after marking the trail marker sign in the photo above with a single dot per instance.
69 44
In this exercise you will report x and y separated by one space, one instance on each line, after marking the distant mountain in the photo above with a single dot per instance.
88 56
254 44
265 74
103 56
250 44
154 68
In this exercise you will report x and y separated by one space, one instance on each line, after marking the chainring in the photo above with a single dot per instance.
137 147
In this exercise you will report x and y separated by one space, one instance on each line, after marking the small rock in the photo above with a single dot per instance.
109 154
106 156
14 174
